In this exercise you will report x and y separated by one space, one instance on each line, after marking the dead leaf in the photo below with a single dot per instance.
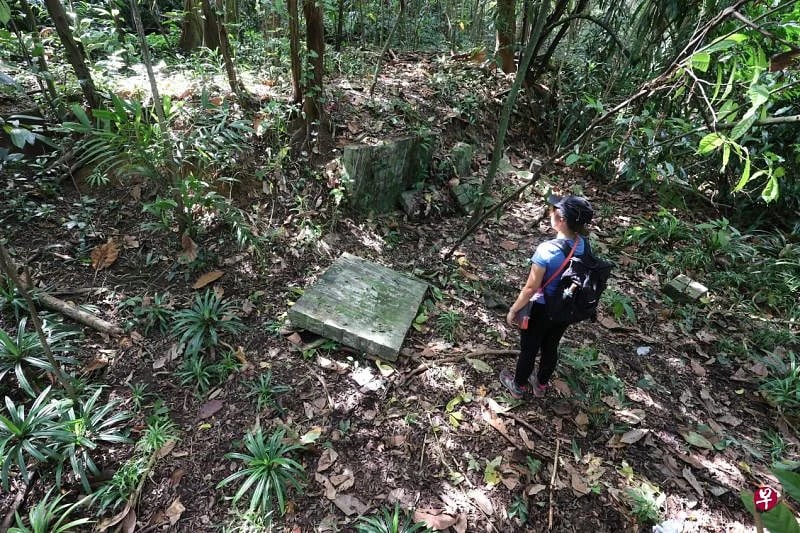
437 522
582 420
207 278
634 435
295 339
247 307
688 476
461 523
104 255
344 481
730 420
395 441
330 491
95 364
482 501
524 436
697 368
129 241
535 489
175 478
175 511
349 505
240 356
209 409
630 416
608 323
189 253
166 449
695 439
136 192
128 525
579 485
508 245
327 459
760 370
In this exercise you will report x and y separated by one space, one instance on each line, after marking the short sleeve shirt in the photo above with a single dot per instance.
550 256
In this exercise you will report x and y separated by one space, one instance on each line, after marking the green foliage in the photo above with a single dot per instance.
782 387
89 424
662 229
645 503
160 430
117 490
265 392
582 370
10 298
448 324
23 354
269 471
194 370
390 520
518 508
51 516
200 326
151 313
620 306
27 434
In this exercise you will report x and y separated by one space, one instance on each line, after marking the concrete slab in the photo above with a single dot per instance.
361 304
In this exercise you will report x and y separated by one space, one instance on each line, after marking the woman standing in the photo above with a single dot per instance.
568 217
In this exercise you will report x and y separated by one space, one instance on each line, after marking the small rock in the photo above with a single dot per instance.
642 351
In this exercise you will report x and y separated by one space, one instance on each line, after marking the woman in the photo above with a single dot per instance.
568 216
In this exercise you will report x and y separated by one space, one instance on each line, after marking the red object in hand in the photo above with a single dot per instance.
523 324
765 498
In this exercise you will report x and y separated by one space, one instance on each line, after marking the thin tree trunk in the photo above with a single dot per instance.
75 53
386 47
44 72
7 265
505 30
505 113
225 48
339 24
210 27
294 51
191 27
315 45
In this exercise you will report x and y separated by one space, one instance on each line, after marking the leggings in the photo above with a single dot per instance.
542 335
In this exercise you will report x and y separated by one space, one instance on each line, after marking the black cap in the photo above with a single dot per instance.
576 210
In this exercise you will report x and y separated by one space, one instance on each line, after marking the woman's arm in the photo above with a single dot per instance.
533 283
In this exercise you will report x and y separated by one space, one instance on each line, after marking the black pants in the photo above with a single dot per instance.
542 335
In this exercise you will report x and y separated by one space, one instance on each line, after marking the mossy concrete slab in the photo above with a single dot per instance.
685 289
361 304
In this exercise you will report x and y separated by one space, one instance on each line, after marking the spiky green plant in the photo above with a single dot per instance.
28 435
264 390
269 471
390 520
89 424
201 325
51 516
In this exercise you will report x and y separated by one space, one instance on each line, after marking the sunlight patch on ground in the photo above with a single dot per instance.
701 520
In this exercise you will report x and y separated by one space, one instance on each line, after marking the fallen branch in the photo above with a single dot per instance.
132 501
552 482
76 314
21 495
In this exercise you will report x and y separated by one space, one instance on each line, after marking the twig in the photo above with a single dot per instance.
8 266
324 386
552 482
18 500
131 503
525 424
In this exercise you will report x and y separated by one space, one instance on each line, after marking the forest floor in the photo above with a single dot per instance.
647 401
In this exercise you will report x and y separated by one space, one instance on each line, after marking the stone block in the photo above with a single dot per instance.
683 288
461 158
379 174
361 304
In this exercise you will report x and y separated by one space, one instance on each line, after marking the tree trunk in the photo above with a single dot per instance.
44 73
75 53
191 28
505 27
225 48
505 112
210 27
294 51
339 24
386 46
315 45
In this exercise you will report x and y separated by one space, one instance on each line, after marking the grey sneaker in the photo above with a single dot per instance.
518 392
537 389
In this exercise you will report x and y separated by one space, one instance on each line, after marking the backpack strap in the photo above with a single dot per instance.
562 245
568 256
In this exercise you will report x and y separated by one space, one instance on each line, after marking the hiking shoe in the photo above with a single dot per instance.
537 389
518 392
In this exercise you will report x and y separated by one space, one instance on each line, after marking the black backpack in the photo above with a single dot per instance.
580 286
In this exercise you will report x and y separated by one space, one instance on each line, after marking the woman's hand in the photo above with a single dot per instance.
511 318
